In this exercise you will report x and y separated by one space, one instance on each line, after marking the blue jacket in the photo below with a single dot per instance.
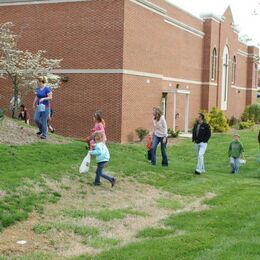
101 152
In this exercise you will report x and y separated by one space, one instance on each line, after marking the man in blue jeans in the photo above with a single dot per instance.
200 136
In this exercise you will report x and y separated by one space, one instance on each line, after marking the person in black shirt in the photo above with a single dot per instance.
200 135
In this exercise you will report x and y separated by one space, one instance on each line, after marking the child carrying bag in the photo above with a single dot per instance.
84 167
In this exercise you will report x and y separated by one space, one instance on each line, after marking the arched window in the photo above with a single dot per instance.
213 64
225 78
234 67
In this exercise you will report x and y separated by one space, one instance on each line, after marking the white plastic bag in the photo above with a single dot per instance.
242 161
84 167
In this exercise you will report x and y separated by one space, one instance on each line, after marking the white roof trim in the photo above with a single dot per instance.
185 11
243 88
133 73
178 91
42 2
246 54
213 17
183 26
150 6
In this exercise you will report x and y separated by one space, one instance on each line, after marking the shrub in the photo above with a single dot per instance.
218 120
1 113
172 133
142 133
247 124
252 113
233 121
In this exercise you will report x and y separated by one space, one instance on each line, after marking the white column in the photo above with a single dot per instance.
186 124
174 111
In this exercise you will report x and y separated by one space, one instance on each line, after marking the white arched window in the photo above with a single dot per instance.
234 68
213 64
225 78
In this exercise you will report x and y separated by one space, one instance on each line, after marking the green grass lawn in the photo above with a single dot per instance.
230 229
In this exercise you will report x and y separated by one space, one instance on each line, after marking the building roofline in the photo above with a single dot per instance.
184 11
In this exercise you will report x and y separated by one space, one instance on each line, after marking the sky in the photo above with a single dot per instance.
242 11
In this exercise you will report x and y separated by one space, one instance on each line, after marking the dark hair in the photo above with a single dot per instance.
98 116
22 106
202 116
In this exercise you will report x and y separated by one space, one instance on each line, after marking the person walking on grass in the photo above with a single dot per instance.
41 105
201 134
159 136
235 151
102 158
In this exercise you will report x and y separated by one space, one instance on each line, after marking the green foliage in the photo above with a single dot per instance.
2 113
233 121
252 113
41 229
218 121
142 133
247 124
104 215
172 133
155 232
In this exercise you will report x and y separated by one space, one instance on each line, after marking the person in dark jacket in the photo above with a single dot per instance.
259 138
200 136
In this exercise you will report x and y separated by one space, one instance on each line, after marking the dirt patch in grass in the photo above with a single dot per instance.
15 132
75 224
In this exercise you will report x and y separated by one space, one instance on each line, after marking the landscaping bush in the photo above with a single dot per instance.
247 124
1 113
172 133
233 121
142 133
252 113
218 121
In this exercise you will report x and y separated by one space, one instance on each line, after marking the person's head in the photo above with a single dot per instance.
22 107
42 80
98 117
157 113
150 134
98 137
200 118
236 137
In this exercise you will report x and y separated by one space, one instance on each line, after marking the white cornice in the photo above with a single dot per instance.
183 26
243 88
184 11
246 54
41 2
213 17
132 73
150 6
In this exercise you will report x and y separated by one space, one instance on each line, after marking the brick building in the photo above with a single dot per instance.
127 56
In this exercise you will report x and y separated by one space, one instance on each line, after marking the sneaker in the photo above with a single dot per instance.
42 137
39 133
113 182
197 173
97 183
232 172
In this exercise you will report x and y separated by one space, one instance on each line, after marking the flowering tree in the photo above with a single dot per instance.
22 67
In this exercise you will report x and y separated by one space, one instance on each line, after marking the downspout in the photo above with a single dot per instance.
218 71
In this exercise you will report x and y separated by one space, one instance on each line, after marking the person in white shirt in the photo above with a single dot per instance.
159 136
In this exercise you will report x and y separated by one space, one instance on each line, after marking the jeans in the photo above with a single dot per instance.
200 149
234 163
99 173
156 141
40 119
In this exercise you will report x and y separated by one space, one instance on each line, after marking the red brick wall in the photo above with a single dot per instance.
86 35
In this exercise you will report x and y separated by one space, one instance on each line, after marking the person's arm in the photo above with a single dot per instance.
96 151
259 137
34 102
164 125
49 97
208 132
193 133
229 151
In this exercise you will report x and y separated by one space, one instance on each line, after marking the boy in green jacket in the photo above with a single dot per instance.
234 152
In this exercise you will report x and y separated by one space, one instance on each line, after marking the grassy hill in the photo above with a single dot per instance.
152 213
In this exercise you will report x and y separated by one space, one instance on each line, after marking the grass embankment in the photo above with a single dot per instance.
229 229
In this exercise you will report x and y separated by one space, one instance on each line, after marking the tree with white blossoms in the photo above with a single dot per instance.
23 67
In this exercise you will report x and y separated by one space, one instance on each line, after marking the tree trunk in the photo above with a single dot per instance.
15 105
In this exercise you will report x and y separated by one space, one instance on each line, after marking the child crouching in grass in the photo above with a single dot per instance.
234 152
102 157
149 146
